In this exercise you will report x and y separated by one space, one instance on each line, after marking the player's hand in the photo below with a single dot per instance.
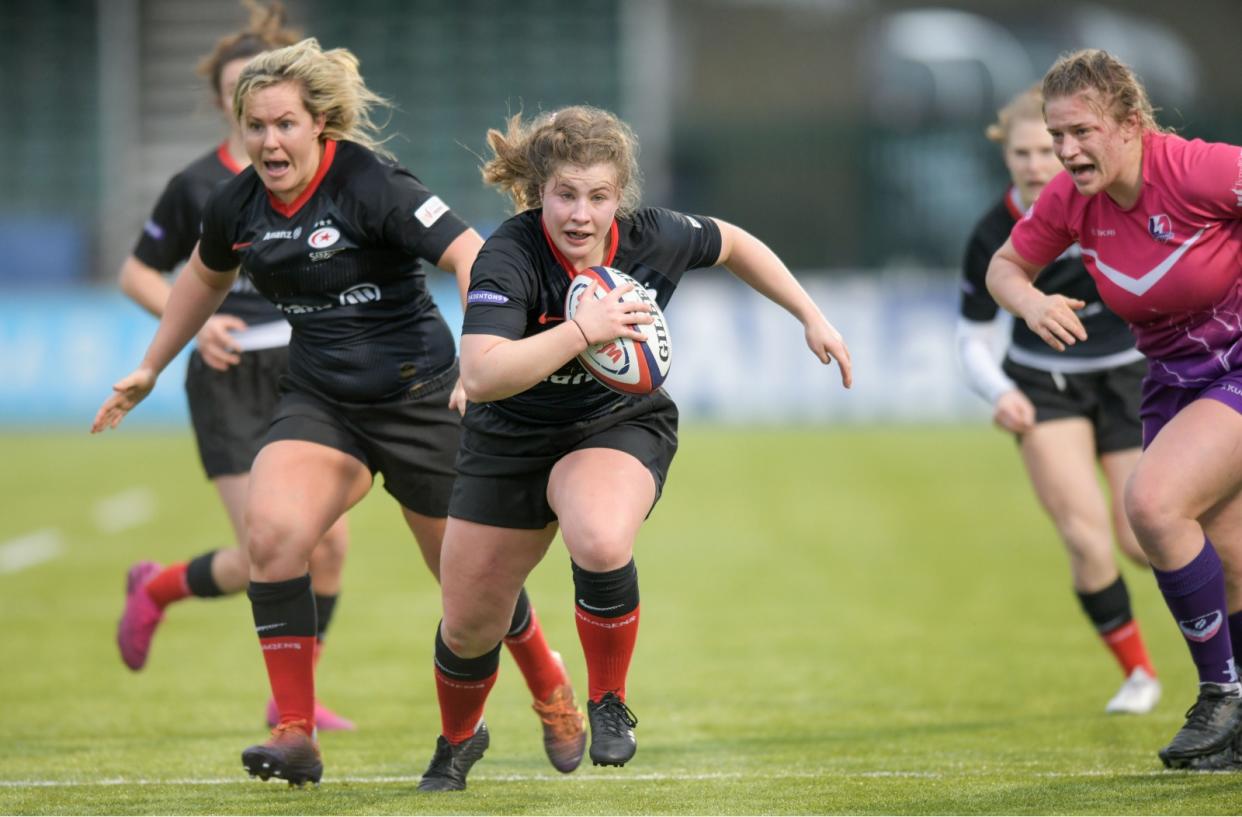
1053 318
216 344
826 343
457 400
603 319
128 392
1014 412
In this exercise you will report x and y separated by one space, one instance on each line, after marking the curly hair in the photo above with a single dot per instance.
527 155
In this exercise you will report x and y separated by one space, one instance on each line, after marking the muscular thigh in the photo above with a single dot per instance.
601 497
1195 461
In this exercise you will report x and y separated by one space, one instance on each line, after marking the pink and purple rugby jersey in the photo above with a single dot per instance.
1171 265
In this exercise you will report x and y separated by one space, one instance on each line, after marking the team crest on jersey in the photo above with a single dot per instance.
1160 227
1203 627
324 237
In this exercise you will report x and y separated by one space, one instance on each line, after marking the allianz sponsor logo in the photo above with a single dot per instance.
360 294
273 235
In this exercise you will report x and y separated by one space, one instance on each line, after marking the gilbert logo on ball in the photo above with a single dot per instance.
622 364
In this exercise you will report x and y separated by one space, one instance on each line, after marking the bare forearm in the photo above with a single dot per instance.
754 263
1010 284
144 286
509 367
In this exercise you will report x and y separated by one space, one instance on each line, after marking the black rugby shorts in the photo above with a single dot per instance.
412 441
232 410
1109 399
502 473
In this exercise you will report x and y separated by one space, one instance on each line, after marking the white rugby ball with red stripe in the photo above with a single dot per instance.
622 364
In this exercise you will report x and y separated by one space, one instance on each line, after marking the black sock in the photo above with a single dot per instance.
199 579
283 608
1109 608
324 606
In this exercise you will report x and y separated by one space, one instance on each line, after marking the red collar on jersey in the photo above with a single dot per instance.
1013 203
565 263
226 159
325 161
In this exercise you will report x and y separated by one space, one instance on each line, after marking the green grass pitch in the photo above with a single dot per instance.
835 620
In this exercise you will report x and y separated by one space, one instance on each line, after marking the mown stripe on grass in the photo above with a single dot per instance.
600 778
30 550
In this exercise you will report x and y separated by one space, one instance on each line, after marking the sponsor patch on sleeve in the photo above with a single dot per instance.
154 230
430 211
485 296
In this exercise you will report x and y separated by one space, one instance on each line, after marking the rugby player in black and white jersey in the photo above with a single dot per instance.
1069 410
231 379
545 446
331 230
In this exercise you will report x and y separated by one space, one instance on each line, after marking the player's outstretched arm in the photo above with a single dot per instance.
1052 317
754 262
195 296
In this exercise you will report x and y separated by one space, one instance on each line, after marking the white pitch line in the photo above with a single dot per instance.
589 778
125 510
30 550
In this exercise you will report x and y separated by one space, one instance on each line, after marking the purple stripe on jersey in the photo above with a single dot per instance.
484 296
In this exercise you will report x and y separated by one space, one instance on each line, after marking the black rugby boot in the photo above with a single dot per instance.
612 731
290 754
450 764
1211 725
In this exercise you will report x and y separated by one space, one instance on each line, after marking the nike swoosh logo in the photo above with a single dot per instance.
242 245
1140 286
546 318
260 628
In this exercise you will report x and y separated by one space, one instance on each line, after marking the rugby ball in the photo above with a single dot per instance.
622 364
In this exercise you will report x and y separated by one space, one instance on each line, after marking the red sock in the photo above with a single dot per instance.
169 585
461 705
543 673
1126 643
609 645
291 671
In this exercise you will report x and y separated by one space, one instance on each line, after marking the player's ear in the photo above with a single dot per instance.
321 121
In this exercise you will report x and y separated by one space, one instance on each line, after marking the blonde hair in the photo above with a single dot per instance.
527 155
330 85
1024 107
1118 90
265 31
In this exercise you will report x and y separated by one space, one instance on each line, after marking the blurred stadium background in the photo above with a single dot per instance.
846 133
875 566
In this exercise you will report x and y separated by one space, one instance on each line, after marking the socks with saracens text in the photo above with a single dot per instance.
606 610
284 618
462 686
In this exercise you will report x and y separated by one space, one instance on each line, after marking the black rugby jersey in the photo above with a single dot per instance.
170 233
517 289
342 263
1107 334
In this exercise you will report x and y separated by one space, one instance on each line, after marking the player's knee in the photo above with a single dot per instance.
270 541
598 548
1150 508
470 637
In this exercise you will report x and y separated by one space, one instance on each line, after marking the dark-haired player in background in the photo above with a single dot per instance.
231 379
334 232
1068 411
542 442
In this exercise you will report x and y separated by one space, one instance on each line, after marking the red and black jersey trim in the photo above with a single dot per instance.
325 162
565 263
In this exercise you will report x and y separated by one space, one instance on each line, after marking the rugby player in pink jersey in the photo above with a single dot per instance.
1159 220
